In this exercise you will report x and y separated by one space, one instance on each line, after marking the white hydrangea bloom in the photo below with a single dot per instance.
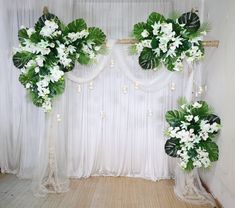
28 85
156 28
49 28
47 105
139 47
195 54
146 43
23 70
214 127
196 118
71 49
166 28
145 34
189 117
97 48
39 60
204 135
63 55
78 35
30 31
56 74
184 125
205 126
197 105
37 69
177 41
31 63
42 87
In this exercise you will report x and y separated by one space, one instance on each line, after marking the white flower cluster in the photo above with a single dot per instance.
169 42
50 49
43 47
90 49
50 29
189 138
43 86
63 53
78 35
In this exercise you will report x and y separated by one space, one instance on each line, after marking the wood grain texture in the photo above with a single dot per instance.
94 192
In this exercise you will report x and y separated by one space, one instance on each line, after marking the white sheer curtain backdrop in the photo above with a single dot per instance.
109 121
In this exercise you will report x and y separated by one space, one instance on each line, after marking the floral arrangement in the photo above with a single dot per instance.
192 131
169 41
48 50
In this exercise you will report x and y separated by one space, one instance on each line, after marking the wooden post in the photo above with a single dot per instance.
45 10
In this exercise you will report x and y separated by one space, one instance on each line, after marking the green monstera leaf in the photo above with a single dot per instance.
172 146
203 111
41 21
213 150
189 166
58 88
22 35
155 17
20 59
213 118
148 59
76 26
138 29
96 35
174 118
83 59
191 21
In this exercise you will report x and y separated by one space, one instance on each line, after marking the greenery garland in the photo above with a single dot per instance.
169 41
50 49
192 131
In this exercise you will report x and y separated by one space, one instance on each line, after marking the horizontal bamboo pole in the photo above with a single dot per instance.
206 43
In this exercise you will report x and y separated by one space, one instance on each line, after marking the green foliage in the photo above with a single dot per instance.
22 35
58 88
213 150
76 26
172 40
203 112
83 59
191 21
155 17
192 130
138 29
41 21
20 59
172 146
148 60
96 35
213 118
174 15
189 166
132 50
52 52
174 117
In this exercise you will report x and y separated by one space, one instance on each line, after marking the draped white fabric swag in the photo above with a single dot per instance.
109 121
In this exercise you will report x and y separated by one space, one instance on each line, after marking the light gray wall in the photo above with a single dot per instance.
220 65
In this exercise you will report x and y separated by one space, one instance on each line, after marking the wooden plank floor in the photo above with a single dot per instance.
94 192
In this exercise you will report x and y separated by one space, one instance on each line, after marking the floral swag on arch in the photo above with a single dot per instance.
50 49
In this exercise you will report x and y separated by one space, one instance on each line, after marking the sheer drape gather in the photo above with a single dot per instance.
109 121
